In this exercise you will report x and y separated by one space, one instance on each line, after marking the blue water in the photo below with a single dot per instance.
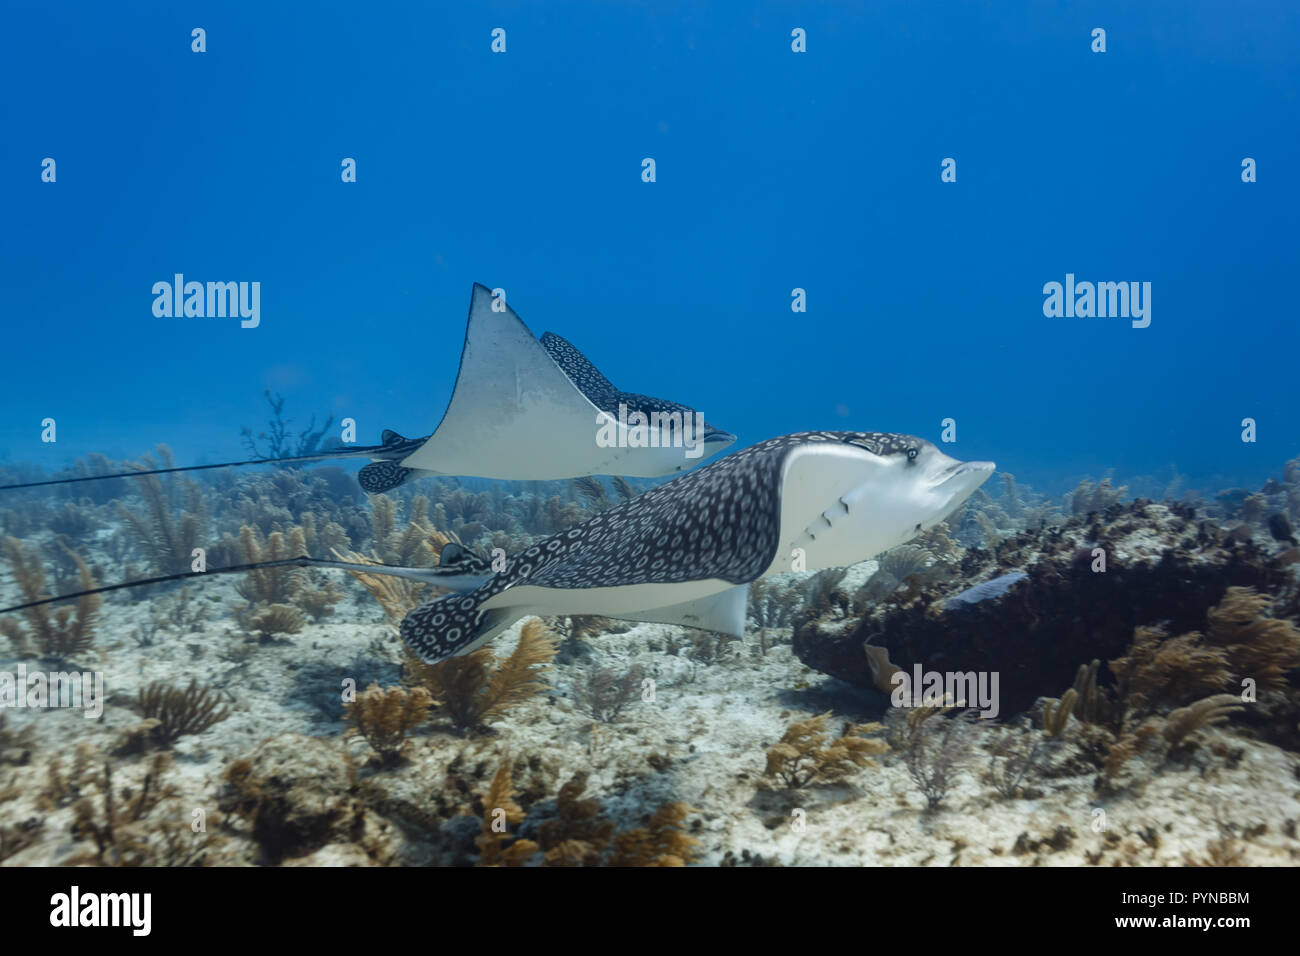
775 170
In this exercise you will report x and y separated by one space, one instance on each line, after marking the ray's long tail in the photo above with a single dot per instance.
387 474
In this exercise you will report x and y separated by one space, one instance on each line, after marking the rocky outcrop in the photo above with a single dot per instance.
1161 564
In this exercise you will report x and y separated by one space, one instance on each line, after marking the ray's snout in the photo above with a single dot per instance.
958 481
976 471
980 470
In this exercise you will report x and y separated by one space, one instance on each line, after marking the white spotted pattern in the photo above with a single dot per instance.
599 390
722 521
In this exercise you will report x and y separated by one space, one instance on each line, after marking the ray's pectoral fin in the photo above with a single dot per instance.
724 612
454 625
459 624
513 412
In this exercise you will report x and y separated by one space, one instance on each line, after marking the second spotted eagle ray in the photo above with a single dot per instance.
686 551
522 409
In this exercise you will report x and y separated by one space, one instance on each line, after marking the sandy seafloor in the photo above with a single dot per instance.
711 721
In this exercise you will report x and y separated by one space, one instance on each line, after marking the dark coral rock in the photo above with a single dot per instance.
1231 500
1161 566
1280 528
295 795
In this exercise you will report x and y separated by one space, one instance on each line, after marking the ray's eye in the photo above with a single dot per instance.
912 453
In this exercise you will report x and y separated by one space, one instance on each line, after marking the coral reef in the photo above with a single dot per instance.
606 693
15 745
1257 647
19 836
271 585
120 826
478 688
277 597
911 568
415 545
1013 760
384 716
807 754
1185 702
179 712
272 619
579 836
576 835
1164 688
1056 713
410 545
277 434
168 538
772 605
59 633
709 647
1162 564
661 842
295 796
1158 669
1089 498
318 598
579 628
594 492
1204 713
937 748
397 596
823 594
500 810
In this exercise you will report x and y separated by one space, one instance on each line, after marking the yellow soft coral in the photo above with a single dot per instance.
804 756
383 716
478 688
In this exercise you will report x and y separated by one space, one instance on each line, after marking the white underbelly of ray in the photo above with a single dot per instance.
606 602
815 480
515 415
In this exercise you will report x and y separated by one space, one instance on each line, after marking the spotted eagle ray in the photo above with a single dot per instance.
686 551
521 409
